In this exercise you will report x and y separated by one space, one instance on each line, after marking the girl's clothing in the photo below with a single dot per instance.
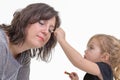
11 68
106 72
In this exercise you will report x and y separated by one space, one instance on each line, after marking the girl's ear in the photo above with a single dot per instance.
105 56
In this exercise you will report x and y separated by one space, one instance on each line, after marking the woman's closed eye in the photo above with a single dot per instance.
51 30
41 22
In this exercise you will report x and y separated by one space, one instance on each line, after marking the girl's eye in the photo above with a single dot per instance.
90 47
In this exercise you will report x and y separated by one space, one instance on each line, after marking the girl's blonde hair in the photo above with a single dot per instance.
111 45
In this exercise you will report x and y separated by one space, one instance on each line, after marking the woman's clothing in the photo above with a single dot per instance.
106 72
11 68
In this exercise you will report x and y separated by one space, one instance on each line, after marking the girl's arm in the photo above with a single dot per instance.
75 57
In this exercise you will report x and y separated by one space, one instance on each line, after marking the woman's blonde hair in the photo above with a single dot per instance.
111 45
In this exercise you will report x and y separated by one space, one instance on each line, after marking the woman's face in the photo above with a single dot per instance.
39 33
93 51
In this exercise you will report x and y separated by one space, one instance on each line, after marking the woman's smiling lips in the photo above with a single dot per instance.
41 38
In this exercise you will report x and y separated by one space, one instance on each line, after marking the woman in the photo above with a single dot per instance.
30 34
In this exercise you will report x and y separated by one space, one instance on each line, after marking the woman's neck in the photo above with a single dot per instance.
15 49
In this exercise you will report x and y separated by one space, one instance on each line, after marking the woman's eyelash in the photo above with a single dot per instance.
41 22
51 31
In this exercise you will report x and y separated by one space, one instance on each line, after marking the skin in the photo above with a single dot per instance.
92 54
37 36
38 33
73 76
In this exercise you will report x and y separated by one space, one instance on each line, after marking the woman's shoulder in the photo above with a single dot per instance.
3 42
3 46
3 37
2 34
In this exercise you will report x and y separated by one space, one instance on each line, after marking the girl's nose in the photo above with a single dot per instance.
85 51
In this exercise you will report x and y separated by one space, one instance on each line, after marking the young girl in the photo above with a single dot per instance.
101 60
30 34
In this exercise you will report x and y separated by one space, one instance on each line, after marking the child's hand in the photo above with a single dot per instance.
72 75
59 34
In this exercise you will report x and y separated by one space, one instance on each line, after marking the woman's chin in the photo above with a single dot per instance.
37 45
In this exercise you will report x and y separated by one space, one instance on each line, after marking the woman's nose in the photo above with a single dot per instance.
46 30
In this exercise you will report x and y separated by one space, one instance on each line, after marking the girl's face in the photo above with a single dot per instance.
93 51
39 33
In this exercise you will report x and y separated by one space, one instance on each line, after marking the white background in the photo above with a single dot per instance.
80 19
